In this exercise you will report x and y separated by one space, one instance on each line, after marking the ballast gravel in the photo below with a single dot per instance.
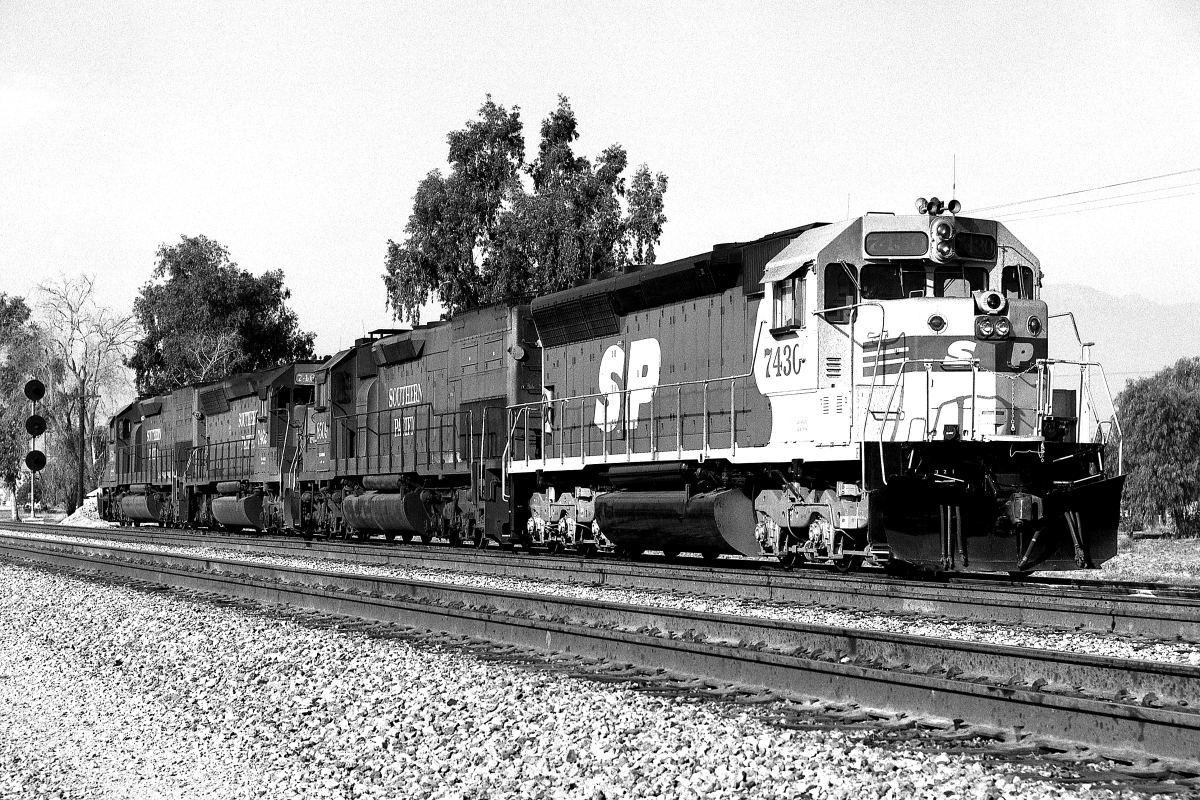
1087 642
111 692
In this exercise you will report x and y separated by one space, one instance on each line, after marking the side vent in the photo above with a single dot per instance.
825 405
833 367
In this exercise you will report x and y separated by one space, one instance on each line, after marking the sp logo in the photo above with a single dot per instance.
1022 353
962 350
634 382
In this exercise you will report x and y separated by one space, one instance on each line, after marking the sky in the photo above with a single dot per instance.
295 133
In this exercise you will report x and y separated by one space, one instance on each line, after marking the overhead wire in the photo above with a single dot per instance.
1093 208
1084 191
1008 214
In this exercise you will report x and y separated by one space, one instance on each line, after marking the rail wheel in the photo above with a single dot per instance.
670 554
844 563
554 547
389 535
710 555
406 537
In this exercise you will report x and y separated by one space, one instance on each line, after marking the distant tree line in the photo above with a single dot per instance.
76 347
498 228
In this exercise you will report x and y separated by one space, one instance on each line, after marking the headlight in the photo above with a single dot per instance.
1003 327
984 327
937 323
1035 325
943 230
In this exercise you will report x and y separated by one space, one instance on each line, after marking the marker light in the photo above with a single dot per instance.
935 206
984 327
922 205
944 230
945 249
1035 325
954 206
1003 326
937 323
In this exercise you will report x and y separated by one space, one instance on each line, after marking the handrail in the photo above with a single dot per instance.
1049 388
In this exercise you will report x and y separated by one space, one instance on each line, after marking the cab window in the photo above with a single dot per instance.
789 303
839 291
892 282
1016 283
959 281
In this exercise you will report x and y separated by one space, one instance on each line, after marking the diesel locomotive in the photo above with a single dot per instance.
878 390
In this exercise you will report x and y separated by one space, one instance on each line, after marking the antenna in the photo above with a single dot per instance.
847 205
953 176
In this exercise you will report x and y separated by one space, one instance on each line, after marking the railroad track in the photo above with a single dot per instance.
1138 609
1111 705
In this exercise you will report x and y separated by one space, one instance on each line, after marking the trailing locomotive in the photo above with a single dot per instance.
876 391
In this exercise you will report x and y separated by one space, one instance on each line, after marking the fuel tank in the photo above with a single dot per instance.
386 511
239 512
142 507
716 522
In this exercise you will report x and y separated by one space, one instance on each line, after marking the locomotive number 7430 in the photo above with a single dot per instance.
784 360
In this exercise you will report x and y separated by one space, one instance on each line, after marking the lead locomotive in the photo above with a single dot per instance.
878 390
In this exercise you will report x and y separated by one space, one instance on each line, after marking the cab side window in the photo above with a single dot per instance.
1016 283
789 303
839 292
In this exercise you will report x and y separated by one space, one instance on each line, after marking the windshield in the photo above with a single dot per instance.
888 282
896 281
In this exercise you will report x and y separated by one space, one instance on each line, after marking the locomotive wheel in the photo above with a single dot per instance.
389 535
587 551
362 536
426 538
406 537
670 554
554 548
710 555
847 564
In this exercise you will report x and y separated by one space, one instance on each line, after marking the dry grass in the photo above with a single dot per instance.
1156 560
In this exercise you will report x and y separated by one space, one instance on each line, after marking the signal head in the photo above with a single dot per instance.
35 460
35 425
34 389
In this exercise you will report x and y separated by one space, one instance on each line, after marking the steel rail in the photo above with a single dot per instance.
1072 606
885 671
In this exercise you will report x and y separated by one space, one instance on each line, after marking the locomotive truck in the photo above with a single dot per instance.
878 390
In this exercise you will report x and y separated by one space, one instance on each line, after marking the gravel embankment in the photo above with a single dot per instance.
109 692
990 632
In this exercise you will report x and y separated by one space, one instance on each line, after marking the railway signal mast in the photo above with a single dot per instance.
35 426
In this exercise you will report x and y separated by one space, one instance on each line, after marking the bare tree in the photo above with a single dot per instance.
86 345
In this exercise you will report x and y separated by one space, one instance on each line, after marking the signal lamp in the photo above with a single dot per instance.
943 230
1003 326
935 206
993 300
1035 325
954 206
937 323
922 205
984 327
945 249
